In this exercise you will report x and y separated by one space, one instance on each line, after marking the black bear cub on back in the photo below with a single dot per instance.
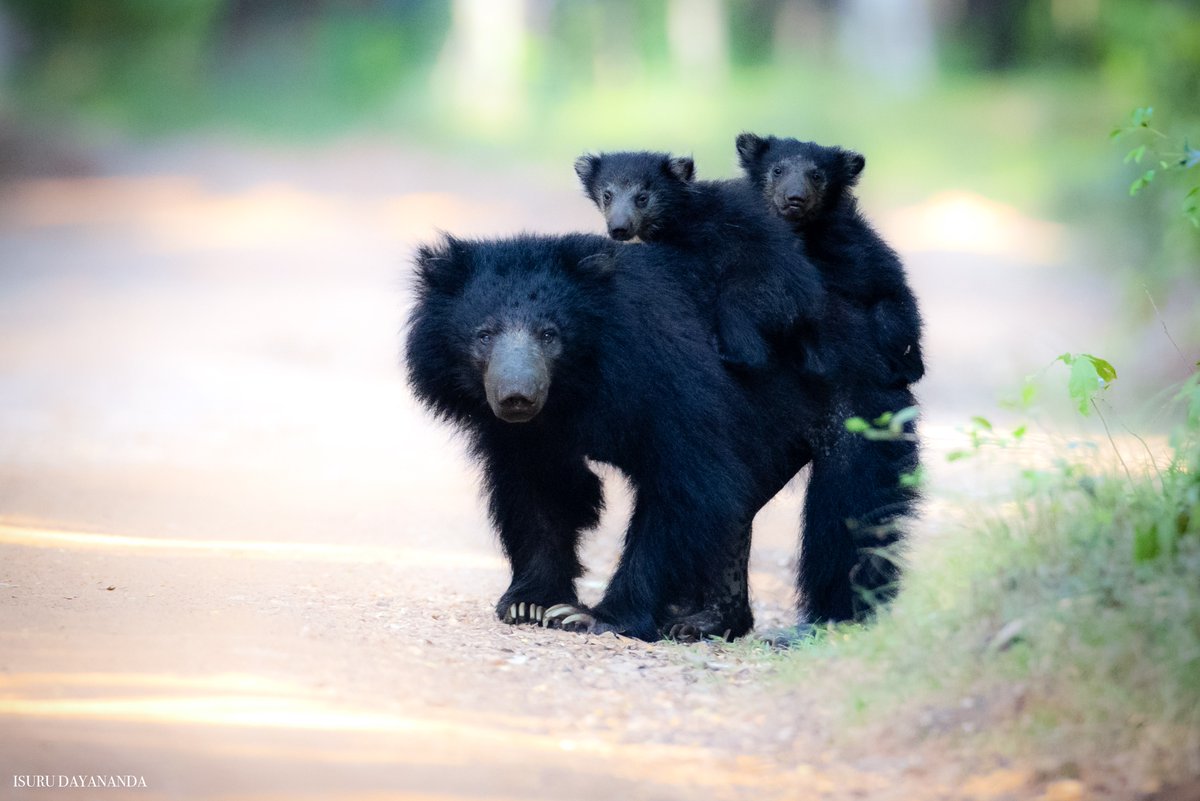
809 186
766 288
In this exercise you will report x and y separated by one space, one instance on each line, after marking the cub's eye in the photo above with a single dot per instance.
777 170
549 335
606 197
641 200
485 337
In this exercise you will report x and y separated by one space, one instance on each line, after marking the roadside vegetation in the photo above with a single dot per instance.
1061 627
1057 621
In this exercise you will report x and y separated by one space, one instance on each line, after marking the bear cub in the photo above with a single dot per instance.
765 289
809 186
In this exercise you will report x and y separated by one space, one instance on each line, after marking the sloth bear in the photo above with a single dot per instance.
765 287
809 186
548 351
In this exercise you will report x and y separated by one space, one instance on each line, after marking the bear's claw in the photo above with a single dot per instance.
522 612
569 617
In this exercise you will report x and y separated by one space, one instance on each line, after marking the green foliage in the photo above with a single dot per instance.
1169 161
1090 375
888 426
1081 600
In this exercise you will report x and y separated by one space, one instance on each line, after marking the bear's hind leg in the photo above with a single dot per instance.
723 611
854 512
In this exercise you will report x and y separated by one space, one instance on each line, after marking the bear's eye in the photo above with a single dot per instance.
641 200
485 337
606 197
817 177
777 170
549 335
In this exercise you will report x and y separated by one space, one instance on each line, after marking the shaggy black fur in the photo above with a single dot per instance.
548 351
809 186
765 287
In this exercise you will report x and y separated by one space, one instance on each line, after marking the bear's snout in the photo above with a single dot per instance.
517 378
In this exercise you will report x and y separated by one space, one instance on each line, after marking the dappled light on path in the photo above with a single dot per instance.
409 557
968 223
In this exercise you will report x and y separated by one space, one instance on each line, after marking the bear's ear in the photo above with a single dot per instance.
853 164
444 268
586 167
750 148
682 168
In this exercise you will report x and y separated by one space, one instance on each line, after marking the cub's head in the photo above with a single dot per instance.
639 193
801 181
497 323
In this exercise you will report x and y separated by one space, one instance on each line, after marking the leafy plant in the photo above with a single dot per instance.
888 426
1168 161
1090 375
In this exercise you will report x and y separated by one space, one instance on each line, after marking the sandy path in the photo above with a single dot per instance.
237 562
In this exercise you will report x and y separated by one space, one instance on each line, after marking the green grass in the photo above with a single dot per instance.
1064 626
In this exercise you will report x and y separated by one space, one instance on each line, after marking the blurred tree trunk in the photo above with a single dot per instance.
480 67
698 38
892 40
995 27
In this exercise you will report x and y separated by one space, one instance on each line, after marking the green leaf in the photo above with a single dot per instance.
1140 118
982 422
1089 375
1145 543
1020 431
1141 183
1028 393
903 418
857 425
1115 133
1106 371
1136 154
954 456
882 420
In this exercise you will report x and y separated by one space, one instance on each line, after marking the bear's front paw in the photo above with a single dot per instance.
521 612
578 619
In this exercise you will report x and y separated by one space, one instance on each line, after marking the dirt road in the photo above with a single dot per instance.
237 562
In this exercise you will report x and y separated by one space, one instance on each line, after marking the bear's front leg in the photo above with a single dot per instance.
539 503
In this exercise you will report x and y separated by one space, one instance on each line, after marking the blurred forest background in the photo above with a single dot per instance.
219 500
1010 99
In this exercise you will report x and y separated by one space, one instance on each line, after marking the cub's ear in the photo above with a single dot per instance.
853 164
682 167
586 167
750 148
443 268
588 256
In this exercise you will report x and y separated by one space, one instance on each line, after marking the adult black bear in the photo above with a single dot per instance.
809 186
765 288
548 351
